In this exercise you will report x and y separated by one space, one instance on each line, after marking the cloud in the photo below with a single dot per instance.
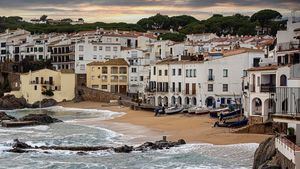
135 9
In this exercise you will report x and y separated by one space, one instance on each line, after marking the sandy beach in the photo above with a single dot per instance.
194 129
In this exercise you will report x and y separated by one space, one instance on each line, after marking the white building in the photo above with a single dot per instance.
279 68
201 37
214 82
89 51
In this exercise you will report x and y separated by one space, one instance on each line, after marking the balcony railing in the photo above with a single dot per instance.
267 88
211 78
286 147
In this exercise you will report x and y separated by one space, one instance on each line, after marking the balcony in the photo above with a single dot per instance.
288 148
295 71
288 46
268 88
211 78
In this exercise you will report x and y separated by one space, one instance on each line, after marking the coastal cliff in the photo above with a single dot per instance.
267 157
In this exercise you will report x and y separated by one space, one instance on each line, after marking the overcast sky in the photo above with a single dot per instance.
133 10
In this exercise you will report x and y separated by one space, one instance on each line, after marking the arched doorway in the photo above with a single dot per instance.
283 80
159 101
166 101
210 102
257 106
194 101
179 101
173 101
187 101
270 106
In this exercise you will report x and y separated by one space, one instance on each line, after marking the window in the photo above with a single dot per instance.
35 87
283 80
95 57
40 49
100 47
179 72
141 78
107 48
194 72
179 86
80 57
154 70
81 48
173 87
95 86
187 73
133 70
245 73
3 45
225 87
82 67
115 48
104 70
159 73
104 87
210 87
187 88
166 72
95 48
173 72
225 72
40 57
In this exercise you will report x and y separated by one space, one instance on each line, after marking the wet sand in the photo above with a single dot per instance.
143 126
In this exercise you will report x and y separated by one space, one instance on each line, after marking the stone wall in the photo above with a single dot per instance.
255 120
88 94
264 128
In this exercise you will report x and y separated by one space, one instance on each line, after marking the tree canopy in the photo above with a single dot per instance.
177 37
221 25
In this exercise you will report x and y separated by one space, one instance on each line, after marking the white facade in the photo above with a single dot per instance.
214 82
87 52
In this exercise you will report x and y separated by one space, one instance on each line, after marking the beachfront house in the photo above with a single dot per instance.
110 76
46 84
213 82
279 70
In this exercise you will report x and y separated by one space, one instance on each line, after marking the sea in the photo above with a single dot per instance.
68 133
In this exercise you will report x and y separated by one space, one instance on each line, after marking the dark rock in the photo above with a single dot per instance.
123 149
181 142
4 116
10 102
20 145
40 118
266 156
17 150
44 103
81 153
265 151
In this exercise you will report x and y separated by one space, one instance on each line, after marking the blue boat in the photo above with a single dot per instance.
230 115
239 123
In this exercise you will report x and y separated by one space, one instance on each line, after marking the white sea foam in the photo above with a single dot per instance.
39 128
105 114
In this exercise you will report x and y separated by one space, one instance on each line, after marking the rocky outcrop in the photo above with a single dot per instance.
4 116
21 147
265 151
267 157
44 103
9 102
41 119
